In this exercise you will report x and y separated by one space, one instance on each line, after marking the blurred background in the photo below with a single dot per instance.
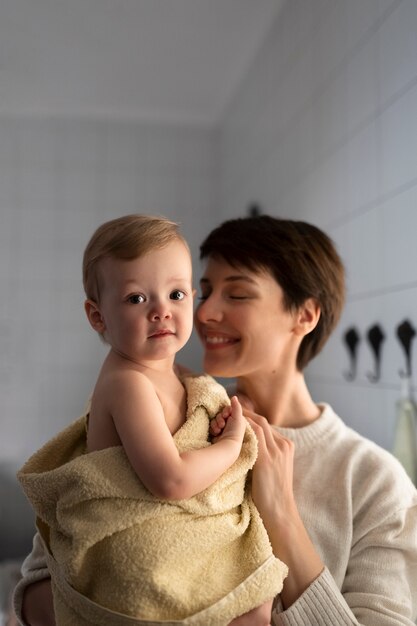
199 110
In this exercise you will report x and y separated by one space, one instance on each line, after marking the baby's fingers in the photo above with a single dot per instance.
235 408
217 425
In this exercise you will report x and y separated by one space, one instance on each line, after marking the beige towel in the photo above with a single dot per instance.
201 561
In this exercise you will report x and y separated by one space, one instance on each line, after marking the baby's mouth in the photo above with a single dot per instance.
164 332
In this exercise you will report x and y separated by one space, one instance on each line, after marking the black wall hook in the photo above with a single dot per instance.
351 339
254 209
406 334
375 337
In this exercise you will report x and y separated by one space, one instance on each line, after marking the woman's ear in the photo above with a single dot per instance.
94 316
307 317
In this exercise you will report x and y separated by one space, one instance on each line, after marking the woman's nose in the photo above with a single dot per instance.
208 310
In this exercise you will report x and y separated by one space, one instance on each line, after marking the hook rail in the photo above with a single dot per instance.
352 339
405 333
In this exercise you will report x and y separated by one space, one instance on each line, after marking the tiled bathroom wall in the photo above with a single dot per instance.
324 129
59 179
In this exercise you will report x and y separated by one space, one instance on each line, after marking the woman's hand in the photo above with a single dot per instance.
273 495
37 604
272 475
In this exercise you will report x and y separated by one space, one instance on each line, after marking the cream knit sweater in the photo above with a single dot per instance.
360 510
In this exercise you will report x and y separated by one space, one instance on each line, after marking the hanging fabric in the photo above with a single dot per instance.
405 438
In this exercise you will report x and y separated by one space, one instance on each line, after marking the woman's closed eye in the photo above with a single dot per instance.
241 295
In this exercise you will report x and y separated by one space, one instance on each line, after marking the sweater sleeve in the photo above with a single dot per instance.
321 604
33 569
380 586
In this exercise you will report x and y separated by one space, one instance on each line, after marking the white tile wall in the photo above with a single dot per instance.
323 128
398 50
398 131
59 179
326 131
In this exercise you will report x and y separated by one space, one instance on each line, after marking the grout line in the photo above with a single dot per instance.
375 293
318 93
328 380
369 206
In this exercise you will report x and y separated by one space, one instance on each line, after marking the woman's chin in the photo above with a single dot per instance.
215 367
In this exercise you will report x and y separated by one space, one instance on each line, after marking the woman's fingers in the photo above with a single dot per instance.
271 434
259 424
259 432
272 475
267 436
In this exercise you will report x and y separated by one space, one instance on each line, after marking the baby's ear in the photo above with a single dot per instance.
94 316
194 293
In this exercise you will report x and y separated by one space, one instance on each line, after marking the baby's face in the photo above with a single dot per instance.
146 303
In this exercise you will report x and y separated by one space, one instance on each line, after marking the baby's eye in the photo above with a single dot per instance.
136 298
177 295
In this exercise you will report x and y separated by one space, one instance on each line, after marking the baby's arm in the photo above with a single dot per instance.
140 422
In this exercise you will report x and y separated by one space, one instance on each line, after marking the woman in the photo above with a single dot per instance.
339 510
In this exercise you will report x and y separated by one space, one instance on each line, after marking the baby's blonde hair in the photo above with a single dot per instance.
127 237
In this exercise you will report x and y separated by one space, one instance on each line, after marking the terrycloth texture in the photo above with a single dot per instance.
207 558
360 510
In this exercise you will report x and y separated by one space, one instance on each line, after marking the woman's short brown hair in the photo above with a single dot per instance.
127 237
300 256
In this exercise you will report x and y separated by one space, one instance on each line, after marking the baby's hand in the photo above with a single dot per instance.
218 423
229 422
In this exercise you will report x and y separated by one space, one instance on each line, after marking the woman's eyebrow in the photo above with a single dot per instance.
231 279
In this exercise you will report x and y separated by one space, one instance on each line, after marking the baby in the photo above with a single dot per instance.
130 509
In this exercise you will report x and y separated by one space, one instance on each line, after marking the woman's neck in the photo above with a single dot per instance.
284 400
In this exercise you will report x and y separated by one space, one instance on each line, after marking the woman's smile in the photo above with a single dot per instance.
213 340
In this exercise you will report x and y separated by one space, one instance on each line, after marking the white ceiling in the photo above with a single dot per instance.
164 60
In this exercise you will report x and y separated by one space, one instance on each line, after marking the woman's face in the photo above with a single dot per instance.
242 323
